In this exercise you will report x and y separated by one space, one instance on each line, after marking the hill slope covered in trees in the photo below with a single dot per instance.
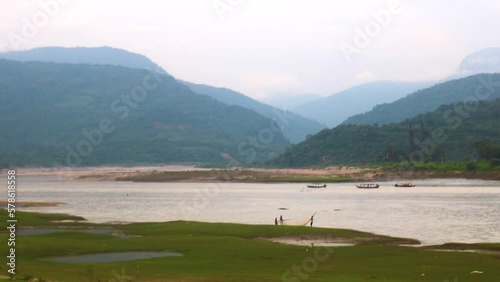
481 86
74 114
448 133
294 127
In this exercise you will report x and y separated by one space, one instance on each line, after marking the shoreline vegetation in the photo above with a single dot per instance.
237 252
331 174
249 176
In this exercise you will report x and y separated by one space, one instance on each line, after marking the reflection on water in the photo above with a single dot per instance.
436 211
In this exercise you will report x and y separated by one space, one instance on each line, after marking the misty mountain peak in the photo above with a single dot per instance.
84 55
483 61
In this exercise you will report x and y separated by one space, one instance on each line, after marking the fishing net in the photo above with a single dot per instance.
296 222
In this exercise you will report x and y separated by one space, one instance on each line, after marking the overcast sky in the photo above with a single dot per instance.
266 47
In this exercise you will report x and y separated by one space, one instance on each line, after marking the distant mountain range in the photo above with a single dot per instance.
294 127
334 109
81 114
466 109
56 100
288 102
426 100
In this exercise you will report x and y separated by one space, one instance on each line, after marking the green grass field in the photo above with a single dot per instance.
236 252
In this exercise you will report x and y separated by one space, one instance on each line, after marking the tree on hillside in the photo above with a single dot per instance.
488 151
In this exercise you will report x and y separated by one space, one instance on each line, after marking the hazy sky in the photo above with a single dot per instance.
264 47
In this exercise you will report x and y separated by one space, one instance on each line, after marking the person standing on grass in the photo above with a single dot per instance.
275 221
281 219
312 219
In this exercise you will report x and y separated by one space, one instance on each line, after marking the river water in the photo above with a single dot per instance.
436 211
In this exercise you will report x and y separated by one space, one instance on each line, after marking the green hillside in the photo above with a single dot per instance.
294 127
68 114
481 86
447 134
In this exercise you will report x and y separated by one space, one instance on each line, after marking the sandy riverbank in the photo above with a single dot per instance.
191 173
33 204
96 173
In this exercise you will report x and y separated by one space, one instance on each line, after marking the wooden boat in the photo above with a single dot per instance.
367 186
316 185
404 184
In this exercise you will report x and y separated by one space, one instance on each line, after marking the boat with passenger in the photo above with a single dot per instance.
404 184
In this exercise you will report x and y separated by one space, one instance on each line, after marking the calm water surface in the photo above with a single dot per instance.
436 211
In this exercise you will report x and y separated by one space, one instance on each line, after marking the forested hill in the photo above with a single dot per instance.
448 133
431 98
69 114
294 127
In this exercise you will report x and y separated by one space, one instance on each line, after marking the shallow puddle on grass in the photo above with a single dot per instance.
43 231
333 244
113 257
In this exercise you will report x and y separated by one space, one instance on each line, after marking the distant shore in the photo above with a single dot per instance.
183 173
190 173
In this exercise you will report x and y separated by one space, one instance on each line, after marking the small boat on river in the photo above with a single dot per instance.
316 185
367 186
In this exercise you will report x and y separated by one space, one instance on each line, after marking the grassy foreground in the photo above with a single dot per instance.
236 252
